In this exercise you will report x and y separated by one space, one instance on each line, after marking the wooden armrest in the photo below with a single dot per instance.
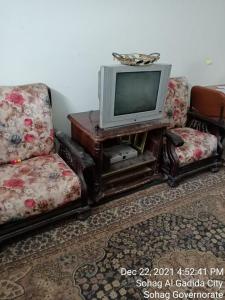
75 149
216 122
175 139
79 160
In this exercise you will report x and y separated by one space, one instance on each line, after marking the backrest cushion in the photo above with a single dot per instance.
26 128
177 102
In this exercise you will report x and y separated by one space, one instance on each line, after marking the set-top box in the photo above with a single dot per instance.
120 152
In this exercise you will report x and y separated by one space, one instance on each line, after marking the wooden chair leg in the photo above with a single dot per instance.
173 181
215 169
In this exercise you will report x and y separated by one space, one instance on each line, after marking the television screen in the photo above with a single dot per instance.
136 92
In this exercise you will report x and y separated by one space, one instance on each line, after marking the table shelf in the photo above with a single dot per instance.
130 164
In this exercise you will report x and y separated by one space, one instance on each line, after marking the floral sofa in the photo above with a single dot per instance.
34 179
192 140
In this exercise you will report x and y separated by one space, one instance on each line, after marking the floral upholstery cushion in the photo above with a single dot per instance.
26 128
197 145
176 103
36 185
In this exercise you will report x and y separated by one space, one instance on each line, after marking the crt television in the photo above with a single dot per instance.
132 94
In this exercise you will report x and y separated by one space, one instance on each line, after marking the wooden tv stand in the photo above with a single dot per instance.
111 179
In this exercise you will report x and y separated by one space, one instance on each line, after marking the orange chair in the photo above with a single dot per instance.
209 101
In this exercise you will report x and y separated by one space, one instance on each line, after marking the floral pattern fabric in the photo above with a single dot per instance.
26 128
177 102
197 145
35 186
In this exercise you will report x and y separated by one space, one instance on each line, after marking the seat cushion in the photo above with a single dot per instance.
35 186
26 128
197 145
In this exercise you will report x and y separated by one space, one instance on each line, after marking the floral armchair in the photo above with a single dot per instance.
37 185
193 141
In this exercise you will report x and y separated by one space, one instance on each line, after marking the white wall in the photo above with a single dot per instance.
63 43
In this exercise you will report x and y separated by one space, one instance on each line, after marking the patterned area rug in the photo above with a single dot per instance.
156 233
